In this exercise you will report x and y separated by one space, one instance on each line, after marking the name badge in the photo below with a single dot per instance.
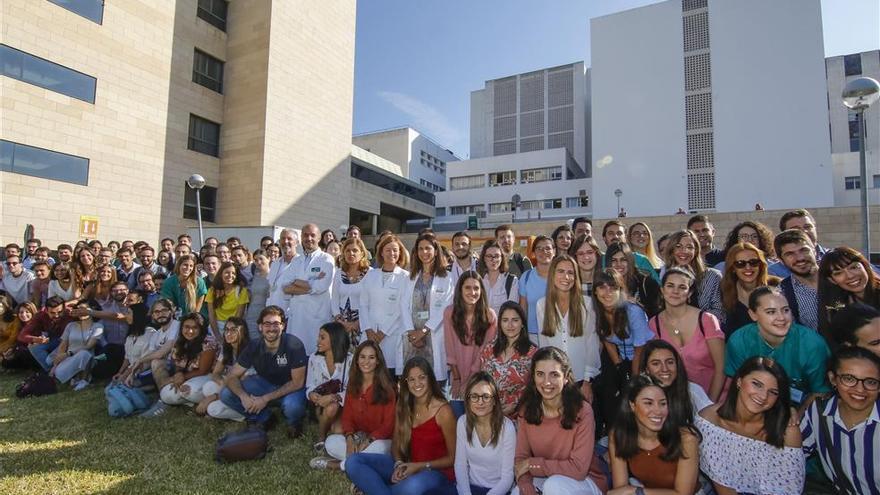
423 315
316 269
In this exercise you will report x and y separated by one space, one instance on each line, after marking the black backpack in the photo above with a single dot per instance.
36 385
245 445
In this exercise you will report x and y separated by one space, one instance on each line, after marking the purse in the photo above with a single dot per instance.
245 445
333 386
36 385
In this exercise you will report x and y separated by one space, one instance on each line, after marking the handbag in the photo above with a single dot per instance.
36 385
245 445
333 386
123 400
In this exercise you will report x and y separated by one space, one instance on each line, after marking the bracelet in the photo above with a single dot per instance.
397 463
428 466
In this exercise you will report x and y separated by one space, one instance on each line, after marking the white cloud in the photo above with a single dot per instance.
424 117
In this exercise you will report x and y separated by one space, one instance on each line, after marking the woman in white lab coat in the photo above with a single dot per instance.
382 289
427 293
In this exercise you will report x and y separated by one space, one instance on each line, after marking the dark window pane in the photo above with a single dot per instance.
208 200
41 72
213 12
38 162
204 136
852 64
391 184
92 10
207 71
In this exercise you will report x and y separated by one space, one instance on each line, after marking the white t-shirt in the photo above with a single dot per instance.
77 337
489 466
158 338
497 294
698 397
19 288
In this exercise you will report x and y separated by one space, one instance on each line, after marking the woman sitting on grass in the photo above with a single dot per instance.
74 354
235 339
327 377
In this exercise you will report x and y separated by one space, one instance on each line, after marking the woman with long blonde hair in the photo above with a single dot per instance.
184 287
642 241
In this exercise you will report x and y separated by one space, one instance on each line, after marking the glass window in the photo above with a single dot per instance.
579 202
876 181
204 136
540 174
440 211
467 182
47 164
466 209
507 178
208 71
213 12
207 198
542 204
500 207
853 182
92 10
393 184
45 74
852 64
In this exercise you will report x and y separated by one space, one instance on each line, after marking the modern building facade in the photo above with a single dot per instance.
109 106
533 111
845 129
420 158
709 105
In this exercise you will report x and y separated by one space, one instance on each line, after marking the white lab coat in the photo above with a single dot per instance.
307 312
584 352
441 296
380 309
277 271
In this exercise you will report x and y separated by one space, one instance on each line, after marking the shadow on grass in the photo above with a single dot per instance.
66 443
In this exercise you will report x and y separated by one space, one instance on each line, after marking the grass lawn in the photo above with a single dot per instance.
66 443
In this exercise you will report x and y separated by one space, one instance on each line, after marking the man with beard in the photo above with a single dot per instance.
126 267
162 334
802 220
147 286
279 360
42 334
795 249
115 316
463 259
287 241
517 263
147 257
309 283
705 232
15 280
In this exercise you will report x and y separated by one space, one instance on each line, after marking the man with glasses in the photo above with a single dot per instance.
16 281
279 360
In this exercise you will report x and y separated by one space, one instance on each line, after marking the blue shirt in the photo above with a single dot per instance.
533 287
637 327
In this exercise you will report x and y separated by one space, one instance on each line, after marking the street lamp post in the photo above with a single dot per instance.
514 203
858 95
197 182
618 193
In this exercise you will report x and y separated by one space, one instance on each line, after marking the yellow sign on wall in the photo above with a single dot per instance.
88 226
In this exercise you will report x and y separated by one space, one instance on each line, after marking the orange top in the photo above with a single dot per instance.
651 470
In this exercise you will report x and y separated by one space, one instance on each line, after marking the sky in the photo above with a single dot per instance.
417 61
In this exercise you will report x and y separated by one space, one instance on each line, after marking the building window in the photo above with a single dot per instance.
467 182
92 10
213 12
466 209
876 181
540 174
500 207
204 136
207 198
542 204
853 119
38 162
852 182
852 64
207 71
440 211
579 202
391 182
507 178
45 74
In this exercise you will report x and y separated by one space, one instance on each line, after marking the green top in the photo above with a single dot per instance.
172 290
803 354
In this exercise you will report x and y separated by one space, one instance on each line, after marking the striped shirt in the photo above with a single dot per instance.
856 448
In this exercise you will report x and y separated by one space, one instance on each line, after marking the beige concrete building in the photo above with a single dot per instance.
107 108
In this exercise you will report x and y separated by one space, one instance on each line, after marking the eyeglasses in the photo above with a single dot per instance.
480 397
849 381
272 324
754 263
493 256
546 249
748 237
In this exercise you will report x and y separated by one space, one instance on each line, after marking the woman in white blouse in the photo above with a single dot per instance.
572 325
327 376
347 287
425 297
501 285
379 311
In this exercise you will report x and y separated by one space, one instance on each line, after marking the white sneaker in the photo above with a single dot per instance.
81 384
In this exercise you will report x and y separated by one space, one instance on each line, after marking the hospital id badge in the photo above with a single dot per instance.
423 315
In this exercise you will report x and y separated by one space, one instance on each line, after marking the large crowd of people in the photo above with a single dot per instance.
645 366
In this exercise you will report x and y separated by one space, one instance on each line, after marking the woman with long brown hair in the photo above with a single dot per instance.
683 250
845 277
227 297
745 268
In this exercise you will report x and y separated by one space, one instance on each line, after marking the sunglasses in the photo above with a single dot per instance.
754 263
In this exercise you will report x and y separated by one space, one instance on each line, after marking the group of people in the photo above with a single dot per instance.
651 366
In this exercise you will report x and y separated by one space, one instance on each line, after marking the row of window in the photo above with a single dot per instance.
855 182
507 206
40 72
430 185
428 158
506 178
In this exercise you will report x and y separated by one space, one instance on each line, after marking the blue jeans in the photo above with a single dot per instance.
372 474
451 489
293 405
41 352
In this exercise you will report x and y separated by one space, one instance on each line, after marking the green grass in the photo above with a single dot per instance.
66 443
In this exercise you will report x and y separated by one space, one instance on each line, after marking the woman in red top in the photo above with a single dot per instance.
554 444
368 415
423 446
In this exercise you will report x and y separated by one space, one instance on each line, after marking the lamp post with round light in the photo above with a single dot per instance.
197 182
858 95
618 193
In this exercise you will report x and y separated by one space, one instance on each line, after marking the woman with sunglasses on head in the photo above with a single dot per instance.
587 253
485 443
745 269
555 435
845 277
694 333
508 358
845 429
749 445
649 444
533 283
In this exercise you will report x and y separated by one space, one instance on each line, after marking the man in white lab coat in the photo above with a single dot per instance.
287 241
308 282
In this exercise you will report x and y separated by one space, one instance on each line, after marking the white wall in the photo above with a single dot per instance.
418 142
637 82
769 104
392 145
